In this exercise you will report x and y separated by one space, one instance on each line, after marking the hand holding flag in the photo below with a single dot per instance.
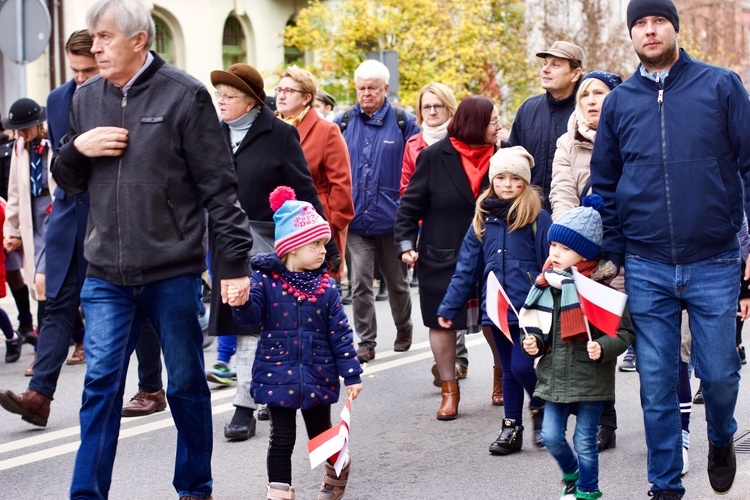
497 303
333 443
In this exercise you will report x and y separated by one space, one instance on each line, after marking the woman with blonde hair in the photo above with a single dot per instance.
325 151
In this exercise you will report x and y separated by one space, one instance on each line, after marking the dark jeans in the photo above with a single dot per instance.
54 335
284 434
148 352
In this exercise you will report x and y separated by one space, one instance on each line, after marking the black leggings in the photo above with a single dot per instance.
284 434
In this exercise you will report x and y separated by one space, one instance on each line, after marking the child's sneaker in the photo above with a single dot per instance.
588 495
280 491
333 487
220 373
569 486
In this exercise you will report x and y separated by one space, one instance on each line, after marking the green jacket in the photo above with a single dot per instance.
565 372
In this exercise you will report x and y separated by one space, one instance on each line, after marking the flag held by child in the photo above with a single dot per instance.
499 313
332 443
603 306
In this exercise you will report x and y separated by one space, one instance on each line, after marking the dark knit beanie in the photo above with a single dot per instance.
638 9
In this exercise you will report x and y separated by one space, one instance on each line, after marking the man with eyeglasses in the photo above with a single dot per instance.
543 118
376 141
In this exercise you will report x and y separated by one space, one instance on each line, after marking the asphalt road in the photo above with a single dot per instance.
399 450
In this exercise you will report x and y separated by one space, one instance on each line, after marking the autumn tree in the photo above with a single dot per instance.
473 47
589 24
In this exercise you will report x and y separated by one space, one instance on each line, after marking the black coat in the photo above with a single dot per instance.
269 156
438 194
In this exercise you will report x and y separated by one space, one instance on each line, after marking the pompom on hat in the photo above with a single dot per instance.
580 228
514 160
297 222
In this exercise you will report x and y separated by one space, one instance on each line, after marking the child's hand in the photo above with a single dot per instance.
445 322
530 345
744 311
594 349
354 390
409 258
233 294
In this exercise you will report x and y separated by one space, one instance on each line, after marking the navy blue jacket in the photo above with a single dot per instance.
376 150
670 172
304 346
67 220
539 123
516 257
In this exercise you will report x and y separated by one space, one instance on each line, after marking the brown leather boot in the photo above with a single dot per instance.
497 387
78 357
31 405
333 486
451 395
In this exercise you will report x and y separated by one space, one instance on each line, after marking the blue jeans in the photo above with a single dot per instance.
656 294
584 440
114 317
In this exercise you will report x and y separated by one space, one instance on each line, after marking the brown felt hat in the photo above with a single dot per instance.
564 50
242 77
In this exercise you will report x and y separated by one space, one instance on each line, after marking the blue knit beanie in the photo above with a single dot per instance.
611 80
297 222
580 228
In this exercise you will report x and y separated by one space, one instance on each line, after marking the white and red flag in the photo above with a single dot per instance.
603 306
497 302
332 443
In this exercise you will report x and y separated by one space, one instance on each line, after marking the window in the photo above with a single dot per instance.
163 41
233 44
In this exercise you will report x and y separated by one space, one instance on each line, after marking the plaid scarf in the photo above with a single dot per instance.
536 314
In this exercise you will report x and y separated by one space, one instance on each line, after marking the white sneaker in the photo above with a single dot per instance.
685 462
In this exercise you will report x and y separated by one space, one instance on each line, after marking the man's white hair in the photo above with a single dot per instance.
372 70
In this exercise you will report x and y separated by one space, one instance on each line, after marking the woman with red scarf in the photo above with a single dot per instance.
442 193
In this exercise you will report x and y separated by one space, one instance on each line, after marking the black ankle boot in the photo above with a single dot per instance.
510 439
242 426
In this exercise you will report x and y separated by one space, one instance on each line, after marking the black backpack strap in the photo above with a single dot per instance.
345 119
586 188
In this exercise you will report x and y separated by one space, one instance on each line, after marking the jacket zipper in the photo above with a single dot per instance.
670 219
117 198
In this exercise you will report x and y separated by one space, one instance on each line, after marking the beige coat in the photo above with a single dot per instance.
570 170
19 221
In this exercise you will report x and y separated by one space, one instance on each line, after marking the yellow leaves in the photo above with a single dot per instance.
473 47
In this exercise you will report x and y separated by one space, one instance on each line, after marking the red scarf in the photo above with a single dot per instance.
476 162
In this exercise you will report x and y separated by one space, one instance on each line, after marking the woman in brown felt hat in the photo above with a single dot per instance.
267 154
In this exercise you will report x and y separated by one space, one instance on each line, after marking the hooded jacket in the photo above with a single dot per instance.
667 162
146 221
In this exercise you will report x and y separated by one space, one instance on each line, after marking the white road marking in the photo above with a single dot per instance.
216 395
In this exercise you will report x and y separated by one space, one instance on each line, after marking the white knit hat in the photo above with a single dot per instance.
515 160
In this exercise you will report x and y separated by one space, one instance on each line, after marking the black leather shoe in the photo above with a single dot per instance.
722 466
510 439
606 438
238 432
263 413
698 399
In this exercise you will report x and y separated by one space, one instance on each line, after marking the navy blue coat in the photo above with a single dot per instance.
516 257
672 190
67 221
304 346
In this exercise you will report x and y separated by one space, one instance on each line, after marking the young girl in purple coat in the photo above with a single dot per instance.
305 343
509 237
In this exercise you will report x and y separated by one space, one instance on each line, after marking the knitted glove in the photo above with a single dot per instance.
605 271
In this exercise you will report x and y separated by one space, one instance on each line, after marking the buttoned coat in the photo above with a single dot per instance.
328 159
440 196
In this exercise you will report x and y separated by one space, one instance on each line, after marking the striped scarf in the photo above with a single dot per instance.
536 314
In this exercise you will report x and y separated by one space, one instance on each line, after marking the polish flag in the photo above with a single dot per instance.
602 305
497 296
332 443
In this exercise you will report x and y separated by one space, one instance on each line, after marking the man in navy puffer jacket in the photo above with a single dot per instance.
673 197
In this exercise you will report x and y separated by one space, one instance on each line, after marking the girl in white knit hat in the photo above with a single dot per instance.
508 237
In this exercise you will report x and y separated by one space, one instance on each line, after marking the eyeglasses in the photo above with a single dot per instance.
495 122
429 107
224 97
281 90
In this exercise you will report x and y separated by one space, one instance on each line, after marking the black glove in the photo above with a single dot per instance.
334 263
